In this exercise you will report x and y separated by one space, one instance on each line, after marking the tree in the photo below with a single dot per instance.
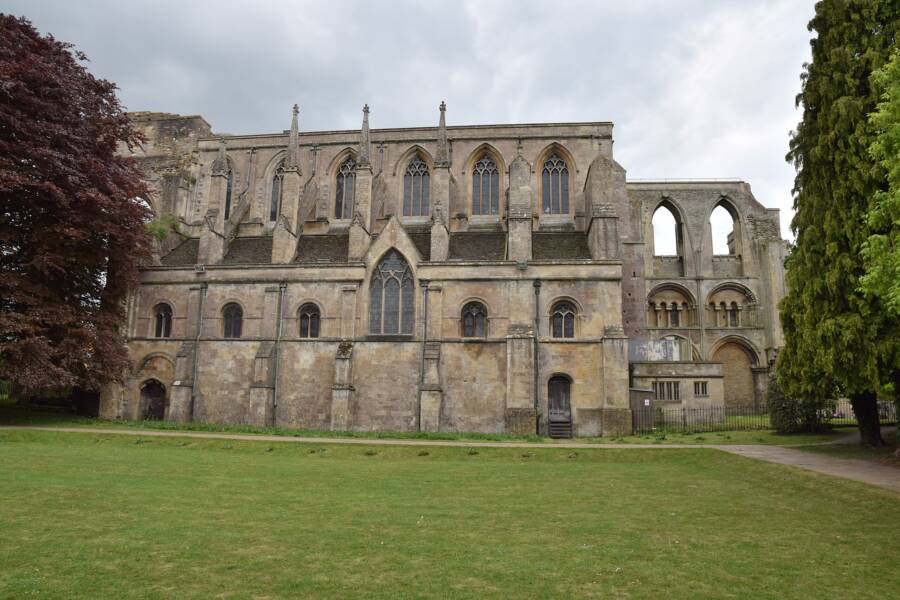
882 250
71 221
838 339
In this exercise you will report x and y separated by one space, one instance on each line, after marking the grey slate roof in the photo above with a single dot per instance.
330 248
422 241
559 246
249 251
477 246
182 255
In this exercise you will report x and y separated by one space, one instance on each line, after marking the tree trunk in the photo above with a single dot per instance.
865 407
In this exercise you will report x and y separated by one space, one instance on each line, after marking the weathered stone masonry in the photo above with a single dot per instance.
349 261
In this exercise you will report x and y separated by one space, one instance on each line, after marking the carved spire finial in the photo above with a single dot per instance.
442 158
364 152
292 159
220 165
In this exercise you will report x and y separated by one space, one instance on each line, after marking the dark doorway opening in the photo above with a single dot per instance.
559 395
153 401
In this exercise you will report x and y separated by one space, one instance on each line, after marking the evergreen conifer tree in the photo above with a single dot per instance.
838 339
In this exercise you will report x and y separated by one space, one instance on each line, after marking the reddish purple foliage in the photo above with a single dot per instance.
71 230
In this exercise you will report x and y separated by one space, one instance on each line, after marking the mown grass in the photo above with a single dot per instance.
11 414
104 516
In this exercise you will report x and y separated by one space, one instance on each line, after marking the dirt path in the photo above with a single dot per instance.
864 471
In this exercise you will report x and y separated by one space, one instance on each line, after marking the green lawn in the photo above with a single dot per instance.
104 516
11 414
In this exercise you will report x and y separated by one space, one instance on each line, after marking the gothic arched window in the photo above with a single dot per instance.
232 318
275 202
474 320
555 186
562 321
391 297
344 189
163 315
309 321
485 187
228 188
416 184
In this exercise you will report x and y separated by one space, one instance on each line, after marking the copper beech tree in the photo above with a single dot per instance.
71 216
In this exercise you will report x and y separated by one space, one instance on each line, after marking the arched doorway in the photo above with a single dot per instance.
560 406
153 401
738 376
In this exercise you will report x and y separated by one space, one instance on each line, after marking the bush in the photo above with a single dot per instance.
791 415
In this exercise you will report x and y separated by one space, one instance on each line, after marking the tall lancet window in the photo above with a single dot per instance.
416 189
344 188
391 297
555 186
275 201
485 187
228 187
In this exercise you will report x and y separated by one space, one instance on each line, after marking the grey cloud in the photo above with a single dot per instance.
695 88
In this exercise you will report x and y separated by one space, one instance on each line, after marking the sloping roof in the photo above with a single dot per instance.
182 255
422 241
476 246
249 251
559 246
330 248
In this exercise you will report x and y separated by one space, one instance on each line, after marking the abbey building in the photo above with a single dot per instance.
495 278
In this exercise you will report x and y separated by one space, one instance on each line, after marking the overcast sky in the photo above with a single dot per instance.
696 89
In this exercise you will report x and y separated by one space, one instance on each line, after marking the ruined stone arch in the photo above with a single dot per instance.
671 305
687 342
731 304
738 357
671 205
736 245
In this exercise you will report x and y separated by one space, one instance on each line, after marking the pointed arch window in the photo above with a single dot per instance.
416 188
275 201
344 188
555 186
562 321
232 320
485 187
474 320
229 185
309 321
391 297
163 317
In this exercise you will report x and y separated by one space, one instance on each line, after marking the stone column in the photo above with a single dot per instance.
519 211
342 389
603 233
616 411
348 312
183 384
262 390
521 416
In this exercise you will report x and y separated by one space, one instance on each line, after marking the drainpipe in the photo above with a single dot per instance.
197 348
537 362
277 354
424 284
